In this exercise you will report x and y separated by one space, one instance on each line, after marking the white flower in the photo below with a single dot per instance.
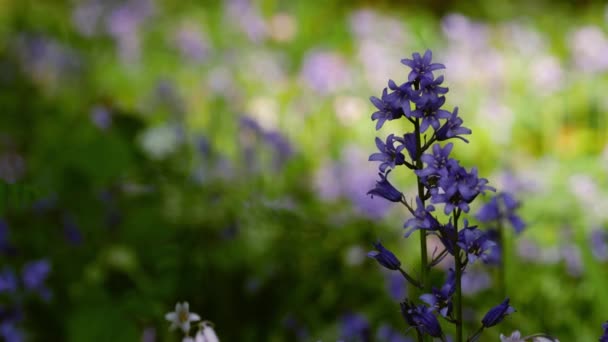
515 337
206 333
182 317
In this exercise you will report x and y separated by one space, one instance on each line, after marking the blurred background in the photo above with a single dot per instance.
155 151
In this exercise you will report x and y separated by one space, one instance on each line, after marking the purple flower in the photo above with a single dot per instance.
355 326
604 337
401 96
385 257
459 189
430 90
422 219
436 165
8 281
497 314
10 332
475 243
385 111
421 317
34 276
71 231
502 207
430 112
599 244
474 281
396 286
452 128
388 155
441 299
409 141
422 68
385 189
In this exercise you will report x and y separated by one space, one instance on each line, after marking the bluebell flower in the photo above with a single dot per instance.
604 337
8 281
430 90
441 299
474 281
396 286
421 318
452 128
422 219
599 244
385 189
503 206
389 155
459 189
34 276
385 111
400 96
422 68
71 231
385 257
497 314
475 243
409 141
355 326
430 113
436 165
10 333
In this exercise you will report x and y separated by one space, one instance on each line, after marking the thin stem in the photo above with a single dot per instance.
410 279
476 335
458 294
423 251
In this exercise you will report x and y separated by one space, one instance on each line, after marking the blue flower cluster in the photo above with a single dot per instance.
15 287
441 181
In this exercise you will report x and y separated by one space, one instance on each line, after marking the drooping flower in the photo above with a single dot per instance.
385 111
389 155
452 128
206 333
503 206
430 113
34 276
385 257
181 317
497 314
430 90
604 337
355 326
475 243
385 189
421 318
441 299
422 68
400 96
422 219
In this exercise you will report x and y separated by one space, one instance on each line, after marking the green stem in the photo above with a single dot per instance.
502 267
458 293
423 252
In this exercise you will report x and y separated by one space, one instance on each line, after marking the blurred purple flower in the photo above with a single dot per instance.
34 276
12 167
599 244
396 286
325 72
192 44
355 326
101 117
474 281
572 257
8 281
248 19
71 231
